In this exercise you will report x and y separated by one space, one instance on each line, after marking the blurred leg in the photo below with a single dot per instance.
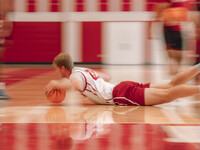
3 94
175 57
180 78
155 96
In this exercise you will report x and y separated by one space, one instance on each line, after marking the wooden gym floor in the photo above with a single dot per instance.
29 121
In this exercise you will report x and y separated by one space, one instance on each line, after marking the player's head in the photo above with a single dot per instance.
64 64
63 59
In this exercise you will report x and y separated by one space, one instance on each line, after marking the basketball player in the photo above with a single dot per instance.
172 29
196 20
95 86
5 31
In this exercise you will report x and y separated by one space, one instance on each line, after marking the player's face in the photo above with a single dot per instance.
61 71
58 70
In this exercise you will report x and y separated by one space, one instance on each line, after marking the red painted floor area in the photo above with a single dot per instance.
23 74
82 136
28 73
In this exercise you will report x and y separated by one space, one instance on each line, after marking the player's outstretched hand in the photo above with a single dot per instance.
50 86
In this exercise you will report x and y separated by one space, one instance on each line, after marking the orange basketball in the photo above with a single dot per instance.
56 96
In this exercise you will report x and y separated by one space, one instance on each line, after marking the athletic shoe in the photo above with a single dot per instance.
4 95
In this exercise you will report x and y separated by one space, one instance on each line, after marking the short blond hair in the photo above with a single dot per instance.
64 59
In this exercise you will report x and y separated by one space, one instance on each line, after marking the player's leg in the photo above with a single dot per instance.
180 78
3 94
175 57
155 96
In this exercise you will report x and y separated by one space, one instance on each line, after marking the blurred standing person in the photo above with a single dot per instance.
197 24
171 13
6 27
196 19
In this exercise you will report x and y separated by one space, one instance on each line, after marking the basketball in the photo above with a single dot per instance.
56 96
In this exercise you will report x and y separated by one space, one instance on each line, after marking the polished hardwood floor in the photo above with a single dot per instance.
30 121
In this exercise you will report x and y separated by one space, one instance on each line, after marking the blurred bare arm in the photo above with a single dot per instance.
58 84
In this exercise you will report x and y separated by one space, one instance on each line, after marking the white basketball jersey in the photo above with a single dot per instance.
96 89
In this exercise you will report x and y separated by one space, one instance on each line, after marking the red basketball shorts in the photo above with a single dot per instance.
129 93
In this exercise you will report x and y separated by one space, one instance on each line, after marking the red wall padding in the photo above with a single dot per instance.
36 42
91 41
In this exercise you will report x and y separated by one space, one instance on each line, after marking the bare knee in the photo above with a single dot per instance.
170 85
166 96
169 96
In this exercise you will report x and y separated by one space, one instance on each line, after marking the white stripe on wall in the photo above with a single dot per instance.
91 5
112 16
20 5
67 6
139 5
115 5
43 6
71 40
38 17
82 16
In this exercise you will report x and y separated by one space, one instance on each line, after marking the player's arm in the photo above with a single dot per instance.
78 81
59 84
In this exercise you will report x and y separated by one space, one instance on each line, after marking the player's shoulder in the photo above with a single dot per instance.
75 69
77 78
82 70
77 72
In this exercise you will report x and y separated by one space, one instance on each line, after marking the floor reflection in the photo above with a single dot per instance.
120 114
76 136
168 114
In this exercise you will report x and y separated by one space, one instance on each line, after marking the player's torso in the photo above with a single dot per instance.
96 89
177 12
